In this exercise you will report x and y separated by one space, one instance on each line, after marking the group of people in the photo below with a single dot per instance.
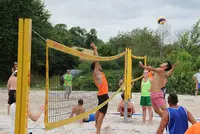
174 118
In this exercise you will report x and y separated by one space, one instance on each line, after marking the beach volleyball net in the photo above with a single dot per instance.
58 106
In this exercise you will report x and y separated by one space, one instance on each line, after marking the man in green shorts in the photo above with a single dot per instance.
68 84
145 100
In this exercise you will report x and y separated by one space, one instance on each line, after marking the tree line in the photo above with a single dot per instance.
185 50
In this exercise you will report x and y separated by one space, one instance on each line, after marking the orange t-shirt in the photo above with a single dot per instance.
103 87
194 129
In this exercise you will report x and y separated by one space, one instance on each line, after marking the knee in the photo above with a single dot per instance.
144 109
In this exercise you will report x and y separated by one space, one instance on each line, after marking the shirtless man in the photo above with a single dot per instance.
79 109
11 86
102 85
157 97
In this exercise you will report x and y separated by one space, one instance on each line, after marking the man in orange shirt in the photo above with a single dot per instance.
102 85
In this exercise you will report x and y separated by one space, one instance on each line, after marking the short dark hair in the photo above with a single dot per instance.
92 66
169 66
80 102
122 95
173 99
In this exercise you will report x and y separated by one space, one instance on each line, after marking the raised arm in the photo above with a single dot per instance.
150 68
96 54
95 49
163 123
169 73
190 117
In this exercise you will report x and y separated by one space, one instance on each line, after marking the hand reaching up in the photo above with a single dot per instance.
93 46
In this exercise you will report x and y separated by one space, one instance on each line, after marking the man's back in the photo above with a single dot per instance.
178 120
12 83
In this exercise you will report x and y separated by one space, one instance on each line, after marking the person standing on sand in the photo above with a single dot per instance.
196 79
67 84
145 100
157 96
175 118
102 85
12 87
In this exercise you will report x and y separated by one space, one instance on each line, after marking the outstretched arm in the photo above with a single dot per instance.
35 117
150 68
169 73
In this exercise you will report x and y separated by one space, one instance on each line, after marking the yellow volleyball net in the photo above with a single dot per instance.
145 63
58 106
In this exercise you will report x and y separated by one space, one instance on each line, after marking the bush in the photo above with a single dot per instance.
181 83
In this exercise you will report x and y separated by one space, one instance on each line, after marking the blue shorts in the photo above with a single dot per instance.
198 86
91 118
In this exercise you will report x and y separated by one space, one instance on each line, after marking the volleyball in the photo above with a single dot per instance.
161 20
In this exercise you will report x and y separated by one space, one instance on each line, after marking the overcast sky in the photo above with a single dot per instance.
109 17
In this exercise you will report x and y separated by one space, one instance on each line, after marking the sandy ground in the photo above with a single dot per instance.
113 123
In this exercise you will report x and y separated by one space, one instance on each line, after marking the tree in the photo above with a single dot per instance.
91 37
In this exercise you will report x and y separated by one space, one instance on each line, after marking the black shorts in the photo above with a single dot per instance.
11 97
101 99
164 90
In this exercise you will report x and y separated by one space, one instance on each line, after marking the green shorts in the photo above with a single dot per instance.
145 101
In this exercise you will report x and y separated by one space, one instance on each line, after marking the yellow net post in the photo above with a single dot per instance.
128 78
125 69
23 75
47 86
145 60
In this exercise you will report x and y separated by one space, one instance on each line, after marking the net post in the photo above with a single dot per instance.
145 60
125 91
47 86
128 77
23 75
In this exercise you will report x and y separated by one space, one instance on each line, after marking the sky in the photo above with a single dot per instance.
109 17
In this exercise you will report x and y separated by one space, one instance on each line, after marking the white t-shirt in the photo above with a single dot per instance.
197 76
12 118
